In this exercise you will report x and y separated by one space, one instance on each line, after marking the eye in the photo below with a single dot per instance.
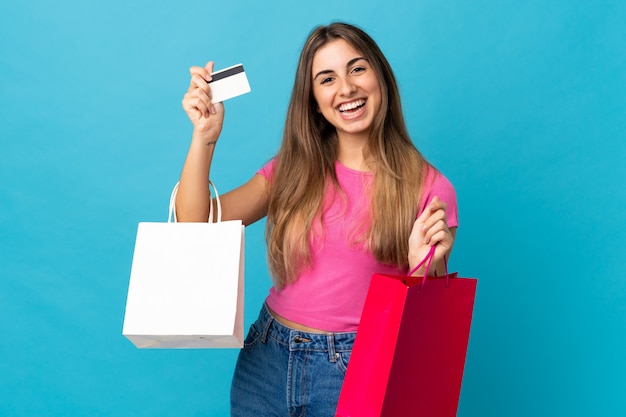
358 70
326 80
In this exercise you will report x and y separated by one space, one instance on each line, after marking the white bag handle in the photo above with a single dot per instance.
172 212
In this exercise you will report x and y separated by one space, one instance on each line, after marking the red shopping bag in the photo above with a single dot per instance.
409 352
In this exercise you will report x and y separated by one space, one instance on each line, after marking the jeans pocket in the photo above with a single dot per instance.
342 360
252 338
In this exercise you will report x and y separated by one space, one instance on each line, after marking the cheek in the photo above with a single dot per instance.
325 106
378 94
373 86
320 98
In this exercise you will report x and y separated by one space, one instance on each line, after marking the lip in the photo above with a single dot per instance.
353 114
338 107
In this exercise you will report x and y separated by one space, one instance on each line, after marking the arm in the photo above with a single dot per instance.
247 202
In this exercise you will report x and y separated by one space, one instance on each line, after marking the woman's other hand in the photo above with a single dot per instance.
431 229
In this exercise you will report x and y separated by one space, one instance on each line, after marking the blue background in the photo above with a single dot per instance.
521 104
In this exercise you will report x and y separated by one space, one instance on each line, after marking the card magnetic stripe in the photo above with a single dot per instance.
226 73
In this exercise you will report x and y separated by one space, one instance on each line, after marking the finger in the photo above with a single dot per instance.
195 69
209 69
203 92
433 234
437 216
197 81
201 77
203 72
436 204
195 104
424 224
197 96
201 89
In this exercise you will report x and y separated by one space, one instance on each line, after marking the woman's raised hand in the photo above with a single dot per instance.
207 118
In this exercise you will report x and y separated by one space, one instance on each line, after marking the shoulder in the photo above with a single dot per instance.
268 169
436 181
436 184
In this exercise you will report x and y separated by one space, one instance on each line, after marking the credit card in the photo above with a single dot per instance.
228 83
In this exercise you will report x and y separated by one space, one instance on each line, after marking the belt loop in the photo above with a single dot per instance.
332 354
266 327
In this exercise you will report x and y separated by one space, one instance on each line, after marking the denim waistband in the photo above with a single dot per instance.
331 342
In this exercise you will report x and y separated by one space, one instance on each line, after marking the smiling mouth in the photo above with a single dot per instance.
351 107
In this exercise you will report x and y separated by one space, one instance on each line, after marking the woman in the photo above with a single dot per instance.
348 194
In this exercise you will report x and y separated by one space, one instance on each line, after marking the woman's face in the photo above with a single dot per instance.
346 89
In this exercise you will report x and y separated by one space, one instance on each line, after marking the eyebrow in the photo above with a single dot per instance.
351 62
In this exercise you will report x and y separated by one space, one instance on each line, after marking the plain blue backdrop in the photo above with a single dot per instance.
521 104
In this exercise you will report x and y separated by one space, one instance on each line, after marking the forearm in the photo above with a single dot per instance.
193 197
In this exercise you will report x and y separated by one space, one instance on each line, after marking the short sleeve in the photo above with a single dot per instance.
438 185
268 169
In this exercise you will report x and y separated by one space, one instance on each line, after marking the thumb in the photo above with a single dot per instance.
434 204
209 66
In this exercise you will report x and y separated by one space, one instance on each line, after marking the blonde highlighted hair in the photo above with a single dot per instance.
305 166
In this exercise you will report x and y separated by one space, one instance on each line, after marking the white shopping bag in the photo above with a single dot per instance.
186 284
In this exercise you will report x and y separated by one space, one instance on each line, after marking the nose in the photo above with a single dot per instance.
347 88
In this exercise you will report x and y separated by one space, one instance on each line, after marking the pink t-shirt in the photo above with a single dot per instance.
330 295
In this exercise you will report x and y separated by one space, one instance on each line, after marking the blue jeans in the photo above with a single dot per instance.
285 372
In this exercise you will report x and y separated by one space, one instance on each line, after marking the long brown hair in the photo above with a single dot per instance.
305 166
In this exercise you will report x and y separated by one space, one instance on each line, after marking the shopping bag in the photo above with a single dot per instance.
186 284
410 348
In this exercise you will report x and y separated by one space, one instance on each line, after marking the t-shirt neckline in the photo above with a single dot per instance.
339 165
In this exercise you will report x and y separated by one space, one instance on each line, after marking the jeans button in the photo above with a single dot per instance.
297 339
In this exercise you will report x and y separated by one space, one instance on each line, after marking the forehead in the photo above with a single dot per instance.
335 55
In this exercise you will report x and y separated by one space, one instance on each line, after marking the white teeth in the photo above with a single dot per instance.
351 106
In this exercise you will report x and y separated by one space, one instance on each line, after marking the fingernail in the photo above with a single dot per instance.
212 110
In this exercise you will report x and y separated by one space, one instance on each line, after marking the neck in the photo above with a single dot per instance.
353 151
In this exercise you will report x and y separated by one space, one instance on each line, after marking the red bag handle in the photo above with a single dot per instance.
429 257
